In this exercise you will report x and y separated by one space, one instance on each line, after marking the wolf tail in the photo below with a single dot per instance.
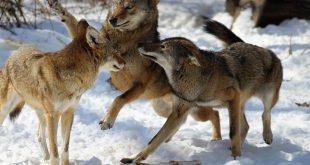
220 31
16 111
4 90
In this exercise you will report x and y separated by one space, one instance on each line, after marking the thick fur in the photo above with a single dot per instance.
226 78
52 83
141 77
213 25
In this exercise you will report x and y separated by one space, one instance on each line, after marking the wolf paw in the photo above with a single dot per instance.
126 161
52 162
106 123
235 155
46 158
46 161
140 157
268 138
105 126
132 160
216 138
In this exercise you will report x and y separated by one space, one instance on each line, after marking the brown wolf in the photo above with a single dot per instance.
225 78
52 83
228 37
130 23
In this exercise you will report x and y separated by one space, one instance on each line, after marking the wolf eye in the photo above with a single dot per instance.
129 7
162 46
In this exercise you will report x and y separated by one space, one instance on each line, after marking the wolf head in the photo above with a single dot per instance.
172 53
128 15
100 48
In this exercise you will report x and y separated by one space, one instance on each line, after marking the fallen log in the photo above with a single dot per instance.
270 11
193 162
303 104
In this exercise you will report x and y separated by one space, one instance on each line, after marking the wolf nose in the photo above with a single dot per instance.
113 22
118 66
140 45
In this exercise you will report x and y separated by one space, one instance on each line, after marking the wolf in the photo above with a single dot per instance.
129 24
226 78
52 84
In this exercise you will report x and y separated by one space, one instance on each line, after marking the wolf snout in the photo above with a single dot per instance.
117 66
141 48
113 22
140 45
141 51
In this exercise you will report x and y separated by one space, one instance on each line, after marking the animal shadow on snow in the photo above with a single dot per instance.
282 151
91 161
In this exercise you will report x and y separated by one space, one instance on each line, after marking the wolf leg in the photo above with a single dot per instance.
41 135
52 119
173 123
244 125
66 125
235 120
132 94
269 99
205 114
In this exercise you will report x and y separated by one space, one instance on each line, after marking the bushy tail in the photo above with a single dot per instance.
220 31
4 90
16 111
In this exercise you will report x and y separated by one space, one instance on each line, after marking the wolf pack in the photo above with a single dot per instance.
175 75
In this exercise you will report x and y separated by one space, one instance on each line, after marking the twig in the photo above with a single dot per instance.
35 14
17 44
304 51
303 104
12 13
287 80
61 41
290 49
193 162
7 29
43 9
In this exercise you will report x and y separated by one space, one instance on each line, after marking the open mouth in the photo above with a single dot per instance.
116 67
125 23
148 56
144 54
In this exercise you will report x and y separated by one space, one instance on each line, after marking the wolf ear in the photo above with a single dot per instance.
94 38
194 60
193 55
153 3
82 26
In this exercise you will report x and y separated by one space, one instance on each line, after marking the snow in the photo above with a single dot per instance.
137 123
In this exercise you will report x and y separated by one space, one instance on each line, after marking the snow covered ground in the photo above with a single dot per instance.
137 123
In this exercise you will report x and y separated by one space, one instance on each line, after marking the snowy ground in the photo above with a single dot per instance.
137 123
